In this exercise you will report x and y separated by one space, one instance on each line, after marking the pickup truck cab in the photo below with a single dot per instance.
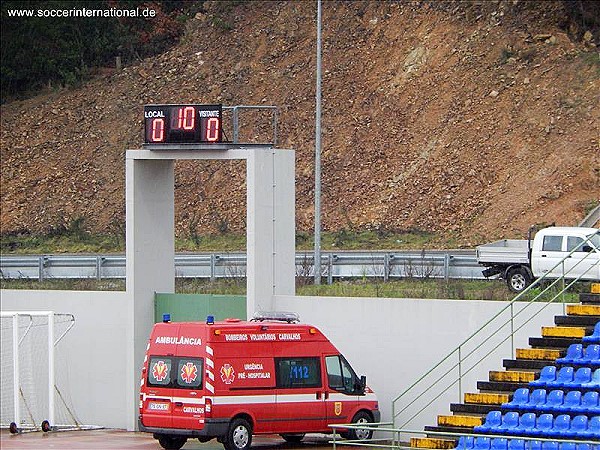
554 251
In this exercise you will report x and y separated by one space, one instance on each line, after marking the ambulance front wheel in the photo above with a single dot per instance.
239 435
171 442
361 434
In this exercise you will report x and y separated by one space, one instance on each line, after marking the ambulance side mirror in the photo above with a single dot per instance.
361 385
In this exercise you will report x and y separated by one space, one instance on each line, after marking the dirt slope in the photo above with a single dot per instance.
471 122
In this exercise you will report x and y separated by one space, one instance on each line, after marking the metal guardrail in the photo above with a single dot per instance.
334 265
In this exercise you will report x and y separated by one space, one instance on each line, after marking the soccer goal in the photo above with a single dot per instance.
31 392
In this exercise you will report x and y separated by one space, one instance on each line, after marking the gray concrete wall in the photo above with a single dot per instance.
392 341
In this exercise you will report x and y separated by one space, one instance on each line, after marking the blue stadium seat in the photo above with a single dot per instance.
510 421
499 444
533 445
574 353
482 443
594 338
519 400
543 426
581 377
492 421
536 399
549 445
516 444
526 424
579 425
465 443
547 374
554 401
591 355
589 403
594 382
562 425
584 447
593 428
572 401
563 376
568 446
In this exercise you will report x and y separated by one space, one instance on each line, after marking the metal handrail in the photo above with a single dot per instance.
425 384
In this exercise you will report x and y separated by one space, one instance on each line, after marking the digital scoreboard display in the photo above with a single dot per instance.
182 124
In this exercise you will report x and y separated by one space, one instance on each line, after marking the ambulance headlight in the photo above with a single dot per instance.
166 318
210 320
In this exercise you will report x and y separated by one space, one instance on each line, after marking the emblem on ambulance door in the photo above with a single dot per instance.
189 372
337 408
227 374
160 371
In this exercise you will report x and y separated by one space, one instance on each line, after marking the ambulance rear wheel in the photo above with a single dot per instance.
364 434
171 442
239 435
293 438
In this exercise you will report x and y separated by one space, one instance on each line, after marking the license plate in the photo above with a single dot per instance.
158 406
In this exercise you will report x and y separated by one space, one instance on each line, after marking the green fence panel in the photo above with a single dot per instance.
195 307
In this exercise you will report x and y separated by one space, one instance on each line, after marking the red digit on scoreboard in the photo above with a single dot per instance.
158 130
212 129
186 118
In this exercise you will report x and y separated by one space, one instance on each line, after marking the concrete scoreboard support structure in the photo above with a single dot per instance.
150 234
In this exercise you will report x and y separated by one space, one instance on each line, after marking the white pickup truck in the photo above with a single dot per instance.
554 251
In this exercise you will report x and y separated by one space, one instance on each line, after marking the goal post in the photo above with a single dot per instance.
31 398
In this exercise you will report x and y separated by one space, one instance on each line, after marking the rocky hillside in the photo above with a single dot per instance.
471 120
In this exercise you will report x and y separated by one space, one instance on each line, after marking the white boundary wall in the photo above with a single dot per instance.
94 349
392 341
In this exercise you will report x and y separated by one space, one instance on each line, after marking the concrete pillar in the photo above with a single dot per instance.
150 256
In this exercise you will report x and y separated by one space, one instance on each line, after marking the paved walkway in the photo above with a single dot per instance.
119 439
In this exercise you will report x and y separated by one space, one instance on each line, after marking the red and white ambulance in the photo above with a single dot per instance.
232 379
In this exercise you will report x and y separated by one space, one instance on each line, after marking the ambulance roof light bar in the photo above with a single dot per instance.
280 316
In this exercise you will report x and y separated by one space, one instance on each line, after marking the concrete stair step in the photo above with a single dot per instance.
459 421
433 443
564 332
485 398
584 321
538 353
512 376
589 299
583 310
473 408
499 387
532 364
553 342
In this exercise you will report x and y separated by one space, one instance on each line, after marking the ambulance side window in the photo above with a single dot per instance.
298 372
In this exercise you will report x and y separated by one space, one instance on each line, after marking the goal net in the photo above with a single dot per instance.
34 389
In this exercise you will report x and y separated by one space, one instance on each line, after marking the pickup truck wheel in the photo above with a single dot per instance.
518 279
